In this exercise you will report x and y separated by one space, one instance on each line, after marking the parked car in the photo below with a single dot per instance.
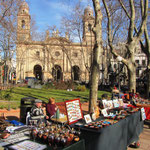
28 78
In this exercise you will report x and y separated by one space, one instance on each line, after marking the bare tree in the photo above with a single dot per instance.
132 39
72 24
97 52
146 49
8 20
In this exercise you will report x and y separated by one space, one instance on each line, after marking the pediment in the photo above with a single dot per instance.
57 40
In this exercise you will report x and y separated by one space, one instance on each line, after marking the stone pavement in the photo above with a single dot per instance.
144 139
144 136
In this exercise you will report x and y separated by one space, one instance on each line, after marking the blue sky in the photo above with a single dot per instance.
48 12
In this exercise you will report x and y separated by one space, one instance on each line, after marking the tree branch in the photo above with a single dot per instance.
4 14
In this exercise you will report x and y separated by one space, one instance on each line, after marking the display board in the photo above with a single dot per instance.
74 112
108 104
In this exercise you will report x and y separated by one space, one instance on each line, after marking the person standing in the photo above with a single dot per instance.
51 108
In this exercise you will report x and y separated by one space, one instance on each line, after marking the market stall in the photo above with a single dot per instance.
116 128
116 136
44 136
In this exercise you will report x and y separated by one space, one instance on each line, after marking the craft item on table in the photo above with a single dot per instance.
55 135
104 112
143 113
79 124
4 135
119 117
98 124
132 110
96 113
28 145
110 104
111 116
123 112
104 101
116 103
14 138
120 102
12 129
74 112
87 118
112 121
93 116
4 124
107 104
16 123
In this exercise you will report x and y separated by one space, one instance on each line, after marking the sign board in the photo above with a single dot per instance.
143 113
107 104
87 118
104 112
116 103
74 112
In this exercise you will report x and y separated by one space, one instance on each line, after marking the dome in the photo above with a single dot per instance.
88 10
24 8
24 5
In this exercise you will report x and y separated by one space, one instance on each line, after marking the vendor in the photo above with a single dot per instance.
51 108
37 113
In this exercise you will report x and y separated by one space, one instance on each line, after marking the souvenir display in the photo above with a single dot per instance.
107 104
87 118
121 113
28 145
55 135
104 112
116 103
4 124
120 102
131 110
100 124
74 112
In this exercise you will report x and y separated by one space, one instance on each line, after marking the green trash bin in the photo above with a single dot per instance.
25 106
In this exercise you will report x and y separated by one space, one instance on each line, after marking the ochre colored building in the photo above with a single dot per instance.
56 57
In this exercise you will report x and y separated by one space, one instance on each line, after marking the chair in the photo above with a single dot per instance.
28 117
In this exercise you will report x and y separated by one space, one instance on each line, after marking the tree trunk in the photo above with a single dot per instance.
94 85
131 65
132 78
148 79
97 52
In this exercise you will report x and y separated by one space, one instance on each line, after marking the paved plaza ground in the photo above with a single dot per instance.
144 136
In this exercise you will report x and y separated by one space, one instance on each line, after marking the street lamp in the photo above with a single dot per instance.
119 58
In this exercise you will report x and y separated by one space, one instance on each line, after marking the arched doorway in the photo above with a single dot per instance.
38 72
57 73
76 73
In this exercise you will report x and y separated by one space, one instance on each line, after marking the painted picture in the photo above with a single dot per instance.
74 112
87 118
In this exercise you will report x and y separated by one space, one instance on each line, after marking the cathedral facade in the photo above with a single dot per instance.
56 57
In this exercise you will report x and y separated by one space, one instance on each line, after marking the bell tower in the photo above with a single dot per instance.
23 23
88 24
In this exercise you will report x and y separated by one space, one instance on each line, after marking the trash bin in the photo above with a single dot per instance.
25 106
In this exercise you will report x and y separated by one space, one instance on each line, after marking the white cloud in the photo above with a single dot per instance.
57 6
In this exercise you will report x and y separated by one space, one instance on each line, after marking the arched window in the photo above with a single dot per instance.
89 27
57 53
37 53
23 24
76 73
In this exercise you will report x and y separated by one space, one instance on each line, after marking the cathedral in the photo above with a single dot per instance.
55 58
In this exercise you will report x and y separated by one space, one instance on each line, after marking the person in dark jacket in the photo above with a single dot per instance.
51 108
37 113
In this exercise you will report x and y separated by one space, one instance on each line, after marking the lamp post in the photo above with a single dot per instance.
119 58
